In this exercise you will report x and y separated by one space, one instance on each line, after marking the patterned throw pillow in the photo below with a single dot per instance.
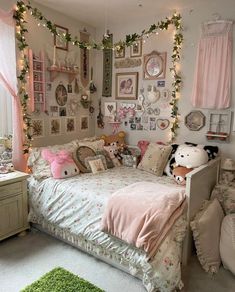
109 161
79 157
155 158
94 145
91 158
96 165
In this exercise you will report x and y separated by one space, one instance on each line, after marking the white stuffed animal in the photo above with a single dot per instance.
190 156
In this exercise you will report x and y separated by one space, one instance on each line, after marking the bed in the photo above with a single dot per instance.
71 210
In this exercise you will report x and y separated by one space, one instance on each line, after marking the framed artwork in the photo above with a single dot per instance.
119 53
62 111
195 120
166 95
136 49
127 85
55 126
61 95
69 87
110 109
54 111
59 40
70 125
154 65
84 123
37 128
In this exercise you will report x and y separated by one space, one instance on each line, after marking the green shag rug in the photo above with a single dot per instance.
60 280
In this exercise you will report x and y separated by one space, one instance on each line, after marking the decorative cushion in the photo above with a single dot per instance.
206 232
119 138
171 161
91 158
61 163
96 165
226 196
112 152
96 145
40 168
155 159
212 151
143 145
190 156
227 242
109 161
79 156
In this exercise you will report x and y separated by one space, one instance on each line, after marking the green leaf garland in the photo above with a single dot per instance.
21 30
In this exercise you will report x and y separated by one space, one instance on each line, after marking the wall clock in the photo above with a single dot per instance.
154 65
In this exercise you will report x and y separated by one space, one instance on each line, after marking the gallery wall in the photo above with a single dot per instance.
193 16
40 39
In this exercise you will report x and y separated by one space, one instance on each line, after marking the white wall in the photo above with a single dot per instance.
193 15
39 38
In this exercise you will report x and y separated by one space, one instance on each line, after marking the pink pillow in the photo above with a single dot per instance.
62 164
143 145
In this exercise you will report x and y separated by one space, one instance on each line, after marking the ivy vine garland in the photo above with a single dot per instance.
21 30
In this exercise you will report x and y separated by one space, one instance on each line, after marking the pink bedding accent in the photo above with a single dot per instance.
142 213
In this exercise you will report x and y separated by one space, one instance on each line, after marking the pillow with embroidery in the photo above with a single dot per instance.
91 158
96 165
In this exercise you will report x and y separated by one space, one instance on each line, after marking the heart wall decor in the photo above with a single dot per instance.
110 108
163 123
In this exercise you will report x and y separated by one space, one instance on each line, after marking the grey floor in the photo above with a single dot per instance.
24 259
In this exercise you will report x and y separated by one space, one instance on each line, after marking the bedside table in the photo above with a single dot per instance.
13 203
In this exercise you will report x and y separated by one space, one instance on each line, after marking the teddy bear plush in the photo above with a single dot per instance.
179 174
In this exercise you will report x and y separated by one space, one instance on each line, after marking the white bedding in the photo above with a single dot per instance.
72 208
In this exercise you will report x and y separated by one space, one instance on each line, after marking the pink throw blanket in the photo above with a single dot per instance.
141 214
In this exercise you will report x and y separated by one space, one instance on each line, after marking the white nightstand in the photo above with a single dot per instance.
13 203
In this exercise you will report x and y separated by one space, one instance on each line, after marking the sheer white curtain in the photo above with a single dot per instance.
5 112
8 81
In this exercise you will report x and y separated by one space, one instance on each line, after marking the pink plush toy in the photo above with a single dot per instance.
62 164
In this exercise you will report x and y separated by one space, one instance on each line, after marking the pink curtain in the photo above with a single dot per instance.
213 73
9 80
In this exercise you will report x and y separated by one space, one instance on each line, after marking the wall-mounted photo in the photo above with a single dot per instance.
127 85
119 53
154 65
55 127
54 111
136 49
70 125
61 95
37 128
84 123
62 112
59 40
70 88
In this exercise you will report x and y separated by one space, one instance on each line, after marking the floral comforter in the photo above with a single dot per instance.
72 208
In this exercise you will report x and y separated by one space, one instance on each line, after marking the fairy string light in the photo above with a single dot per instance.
130 40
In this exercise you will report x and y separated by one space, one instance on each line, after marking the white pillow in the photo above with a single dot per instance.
40 167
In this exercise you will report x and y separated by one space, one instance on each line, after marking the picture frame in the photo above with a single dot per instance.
154 66
70 125
37 128
110 109
195 120
55 126
59 41
118 54
84 123
61 95
127 85
136 49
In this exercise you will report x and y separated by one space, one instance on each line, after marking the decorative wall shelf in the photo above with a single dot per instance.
37 81
219 125
54 73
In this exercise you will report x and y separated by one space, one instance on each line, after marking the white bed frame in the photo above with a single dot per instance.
199 185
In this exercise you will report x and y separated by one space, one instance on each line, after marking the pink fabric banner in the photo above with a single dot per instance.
213 71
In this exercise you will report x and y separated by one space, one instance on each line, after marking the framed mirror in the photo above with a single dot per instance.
154 65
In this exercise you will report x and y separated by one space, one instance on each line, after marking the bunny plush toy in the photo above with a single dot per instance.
62 164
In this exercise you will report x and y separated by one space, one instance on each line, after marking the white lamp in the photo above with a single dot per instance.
228 164
228 167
